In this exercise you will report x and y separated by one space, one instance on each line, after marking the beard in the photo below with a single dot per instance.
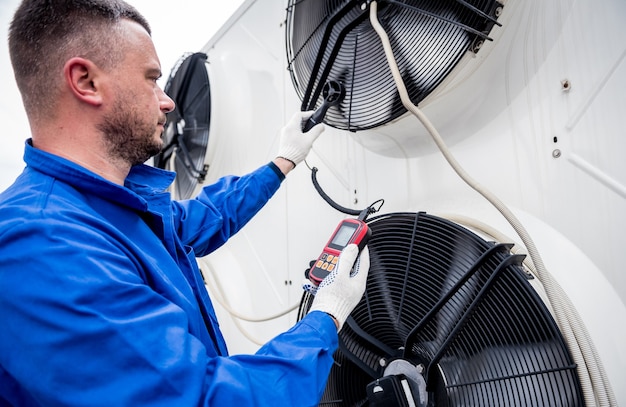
128 137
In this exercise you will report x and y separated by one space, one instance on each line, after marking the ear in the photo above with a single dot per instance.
82 78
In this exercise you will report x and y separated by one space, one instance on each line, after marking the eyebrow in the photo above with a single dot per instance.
154 71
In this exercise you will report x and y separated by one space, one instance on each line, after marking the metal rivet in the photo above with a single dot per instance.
556 153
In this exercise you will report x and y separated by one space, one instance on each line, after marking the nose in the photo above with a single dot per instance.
167 104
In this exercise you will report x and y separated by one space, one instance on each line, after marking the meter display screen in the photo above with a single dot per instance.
343 235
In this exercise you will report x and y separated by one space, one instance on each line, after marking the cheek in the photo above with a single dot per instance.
157 99
148 103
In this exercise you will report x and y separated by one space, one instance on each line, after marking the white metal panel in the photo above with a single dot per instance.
552 154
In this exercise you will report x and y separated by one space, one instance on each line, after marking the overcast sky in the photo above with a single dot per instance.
185 27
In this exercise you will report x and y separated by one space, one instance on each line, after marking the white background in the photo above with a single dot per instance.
188 26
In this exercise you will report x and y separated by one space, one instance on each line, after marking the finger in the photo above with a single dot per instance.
347 257
306 114
299 117
362 265
315 132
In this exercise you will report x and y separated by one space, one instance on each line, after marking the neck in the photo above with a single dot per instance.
86 155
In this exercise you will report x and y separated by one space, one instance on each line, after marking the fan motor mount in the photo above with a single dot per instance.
402 384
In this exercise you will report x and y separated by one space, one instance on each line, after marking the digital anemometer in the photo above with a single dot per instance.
348 231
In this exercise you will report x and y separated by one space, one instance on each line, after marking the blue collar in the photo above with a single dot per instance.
143 181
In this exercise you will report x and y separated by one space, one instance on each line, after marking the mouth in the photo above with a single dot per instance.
160 129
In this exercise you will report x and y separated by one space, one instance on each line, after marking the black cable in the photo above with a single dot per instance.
361 213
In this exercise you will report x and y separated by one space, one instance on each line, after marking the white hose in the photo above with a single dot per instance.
220 297
596 388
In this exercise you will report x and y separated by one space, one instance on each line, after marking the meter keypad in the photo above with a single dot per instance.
327 262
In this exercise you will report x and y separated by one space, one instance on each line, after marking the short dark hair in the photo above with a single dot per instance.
44 34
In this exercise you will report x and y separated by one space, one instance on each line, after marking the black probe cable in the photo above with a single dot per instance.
328 199
333 93
362 213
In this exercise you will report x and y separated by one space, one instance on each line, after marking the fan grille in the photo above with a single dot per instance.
440 296
334 40
186 135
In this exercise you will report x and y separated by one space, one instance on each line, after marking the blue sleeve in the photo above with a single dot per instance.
80 327
290 370
223 208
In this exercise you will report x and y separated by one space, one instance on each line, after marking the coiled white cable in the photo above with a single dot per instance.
594 382
219 296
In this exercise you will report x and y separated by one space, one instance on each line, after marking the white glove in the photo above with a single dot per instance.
294 144
342 290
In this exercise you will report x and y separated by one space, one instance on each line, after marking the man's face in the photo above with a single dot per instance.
133 123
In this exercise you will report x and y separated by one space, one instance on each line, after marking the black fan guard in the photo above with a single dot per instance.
334 40
440 296
186 134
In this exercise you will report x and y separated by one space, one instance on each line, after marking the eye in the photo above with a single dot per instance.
153 75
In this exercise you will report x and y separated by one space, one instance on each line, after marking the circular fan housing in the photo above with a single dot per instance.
186 135
334 40
459 308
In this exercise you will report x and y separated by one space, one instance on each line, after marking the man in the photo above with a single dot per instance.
101 299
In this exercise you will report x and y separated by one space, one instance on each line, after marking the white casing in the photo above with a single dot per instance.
553 153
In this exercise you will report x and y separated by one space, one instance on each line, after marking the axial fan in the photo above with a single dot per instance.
447 319
333 40
186 134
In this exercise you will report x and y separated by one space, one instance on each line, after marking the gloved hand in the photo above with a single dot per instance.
342 290
294 144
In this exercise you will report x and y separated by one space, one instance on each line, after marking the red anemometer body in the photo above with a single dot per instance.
348 231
